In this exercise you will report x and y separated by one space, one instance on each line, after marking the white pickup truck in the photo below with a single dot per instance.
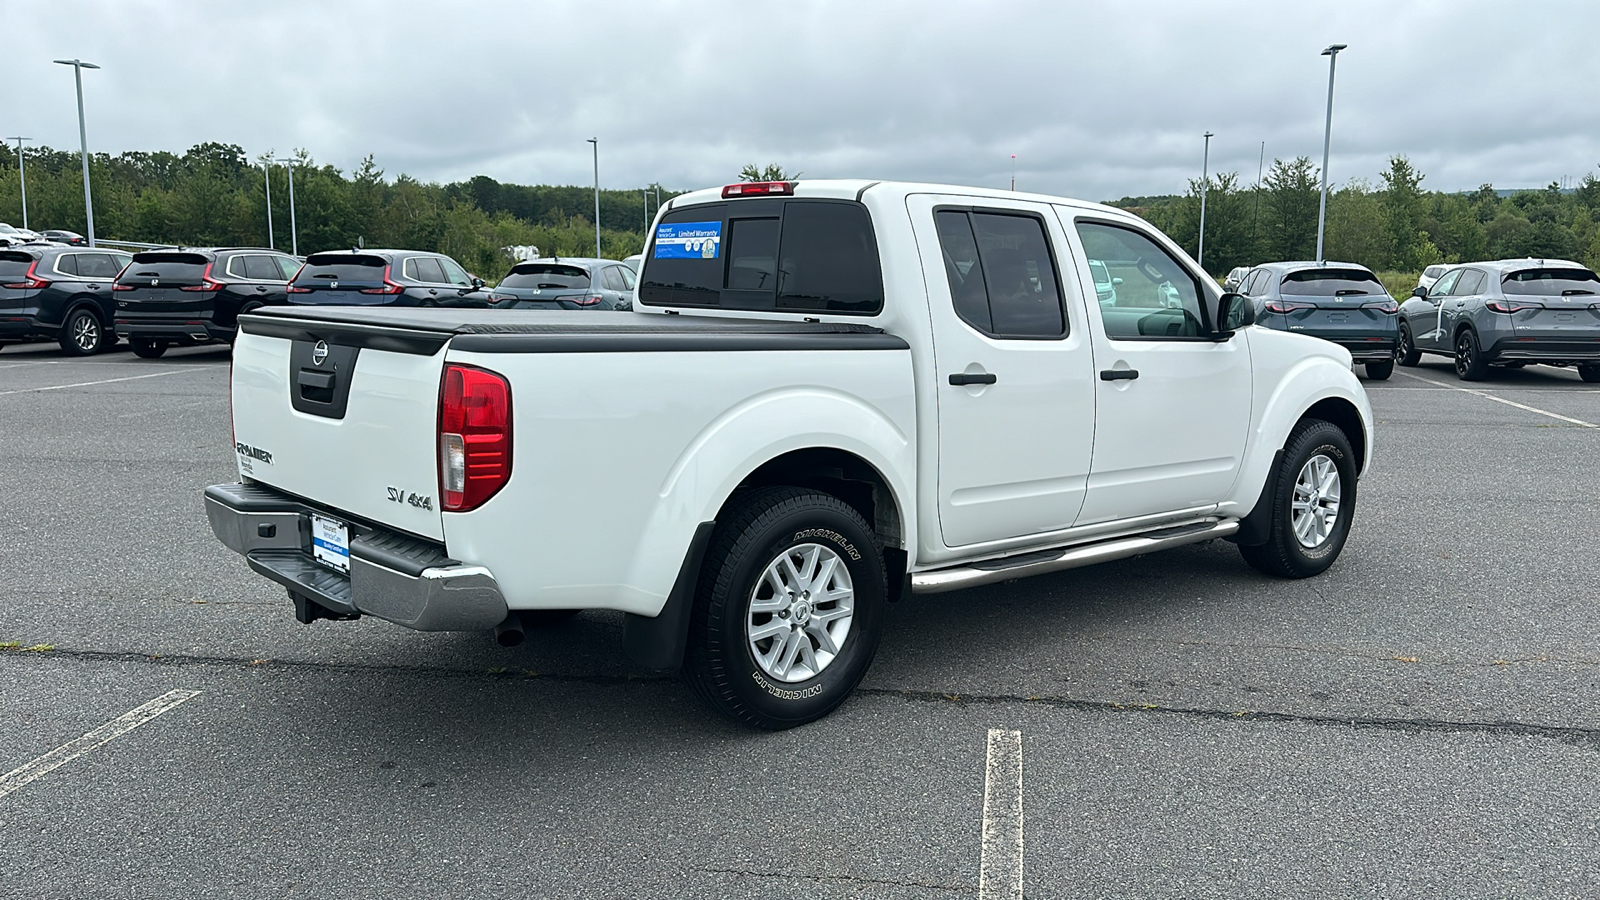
829 395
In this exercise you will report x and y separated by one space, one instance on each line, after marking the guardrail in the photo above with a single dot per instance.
137 245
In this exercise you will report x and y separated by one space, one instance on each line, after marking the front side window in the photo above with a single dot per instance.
453 273
1002 277
1157 299
765 254
288 265
1441 288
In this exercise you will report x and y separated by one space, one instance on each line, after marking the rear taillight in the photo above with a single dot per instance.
474 436
296 289
759 189
1283 306
207 283
585 300
1509 306
389 287
1388 306
119 286
30 281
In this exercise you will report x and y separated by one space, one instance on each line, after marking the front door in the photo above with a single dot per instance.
1173 407
1014 368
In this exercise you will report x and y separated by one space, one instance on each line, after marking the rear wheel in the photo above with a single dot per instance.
1313 498
1591 374
245 310
1406 352
82 334
788 610
1378 371
145 348
1470 362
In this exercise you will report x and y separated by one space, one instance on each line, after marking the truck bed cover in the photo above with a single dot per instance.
424 331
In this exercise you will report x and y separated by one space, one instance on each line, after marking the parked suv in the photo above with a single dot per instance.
1340 302
195 296
58 293
566 284
385 278
1510 312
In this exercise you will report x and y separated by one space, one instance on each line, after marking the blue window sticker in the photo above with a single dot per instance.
688 240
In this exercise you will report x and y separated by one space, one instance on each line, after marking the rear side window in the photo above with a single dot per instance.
1551 282
67 264
545 276
168 267
324 268
262 268
1002 278
1330 283
766 254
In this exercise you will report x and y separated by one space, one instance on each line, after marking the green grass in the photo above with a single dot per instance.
1398 284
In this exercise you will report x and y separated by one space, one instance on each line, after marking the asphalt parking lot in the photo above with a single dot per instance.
1423 720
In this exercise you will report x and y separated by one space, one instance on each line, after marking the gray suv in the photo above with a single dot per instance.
1509 312
1339 302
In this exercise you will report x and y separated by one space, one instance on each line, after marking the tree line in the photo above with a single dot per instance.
1393 226
214 195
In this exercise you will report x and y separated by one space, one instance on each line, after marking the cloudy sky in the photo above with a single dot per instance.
1097 99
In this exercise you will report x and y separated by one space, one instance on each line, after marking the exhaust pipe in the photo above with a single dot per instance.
509 632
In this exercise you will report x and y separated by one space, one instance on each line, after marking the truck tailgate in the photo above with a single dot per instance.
344 420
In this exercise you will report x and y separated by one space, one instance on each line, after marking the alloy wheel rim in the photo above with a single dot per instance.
1403 349
1463 354
800 613
85 333
1315 509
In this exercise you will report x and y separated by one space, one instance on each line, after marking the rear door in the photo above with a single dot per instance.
1014 368
1172 406
343 425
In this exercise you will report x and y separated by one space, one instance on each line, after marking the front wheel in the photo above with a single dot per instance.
789 608
1406 352
82 334
1590 374
1470 363
1313 498
145 348
1379 371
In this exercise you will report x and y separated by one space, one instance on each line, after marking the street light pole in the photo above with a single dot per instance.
1332 53
78 66
1205 179
266 173
596 143
294 233
23 171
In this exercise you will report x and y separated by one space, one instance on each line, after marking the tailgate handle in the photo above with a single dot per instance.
316 380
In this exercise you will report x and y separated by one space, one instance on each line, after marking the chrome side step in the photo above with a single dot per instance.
1039 562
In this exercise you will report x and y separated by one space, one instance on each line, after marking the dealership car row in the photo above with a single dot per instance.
1505 313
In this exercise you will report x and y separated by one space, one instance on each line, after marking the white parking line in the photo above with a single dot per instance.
73 749
60 387
1000 867
1489 396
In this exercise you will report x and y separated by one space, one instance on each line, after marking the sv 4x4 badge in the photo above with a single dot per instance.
418 500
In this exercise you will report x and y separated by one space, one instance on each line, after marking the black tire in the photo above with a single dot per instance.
82 334
1590 374
1405 351
1470 362
1284 554
753 533
245 310
1380 371
145 348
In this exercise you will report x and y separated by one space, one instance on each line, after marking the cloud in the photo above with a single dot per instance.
1098 100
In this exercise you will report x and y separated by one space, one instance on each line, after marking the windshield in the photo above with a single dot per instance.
1551 282
1331 283
323 269
545 275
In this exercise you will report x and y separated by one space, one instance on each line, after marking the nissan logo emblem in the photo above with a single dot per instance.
319 353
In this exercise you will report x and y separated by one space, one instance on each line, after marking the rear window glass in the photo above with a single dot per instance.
545 276
766 254
173 267
1551 282
330 267
14 265
1330 283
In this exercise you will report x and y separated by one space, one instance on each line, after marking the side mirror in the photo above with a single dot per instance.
1234 311
1419 291
477 282
1115 281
